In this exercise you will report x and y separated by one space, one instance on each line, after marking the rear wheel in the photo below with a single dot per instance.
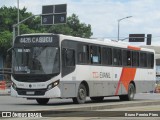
81 95
42 101
130 95
98 99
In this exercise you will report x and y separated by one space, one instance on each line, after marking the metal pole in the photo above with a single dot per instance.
119 24
14 32
118 30
18 16
15 25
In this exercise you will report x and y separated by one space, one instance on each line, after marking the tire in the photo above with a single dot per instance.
130 95
81 95
98 99
42 101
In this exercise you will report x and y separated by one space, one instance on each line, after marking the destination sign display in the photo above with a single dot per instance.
37 40
43 39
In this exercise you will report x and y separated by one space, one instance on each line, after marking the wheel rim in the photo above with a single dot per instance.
82 94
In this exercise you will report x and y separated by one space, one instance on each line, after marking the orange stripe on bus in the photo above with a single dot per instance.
127 76
134 48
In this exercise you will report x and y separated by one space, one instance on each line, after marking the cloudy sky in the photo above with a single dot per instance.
103 15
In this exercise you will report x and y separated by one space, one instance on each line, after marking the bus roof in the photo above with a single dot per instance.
107 42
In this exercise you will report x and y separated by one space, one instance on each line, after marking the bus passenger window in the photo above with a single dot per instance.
106 56
95 54
143 59
135 59
117 57
69 56
83 53
150 57
126 58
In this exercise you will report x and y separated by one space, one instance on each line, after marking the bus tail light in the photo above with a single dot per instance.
52 85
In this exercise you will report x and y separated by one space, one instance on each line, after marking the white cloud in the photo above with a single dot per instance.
103 14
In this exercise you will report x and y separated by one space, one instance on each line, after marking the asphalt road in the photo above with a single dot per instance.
8 103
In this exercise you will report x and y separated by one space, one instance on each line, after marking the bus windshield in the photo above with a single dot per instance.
36 60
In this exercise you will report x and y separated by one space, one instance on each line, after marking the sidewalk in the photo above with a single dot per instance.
4 92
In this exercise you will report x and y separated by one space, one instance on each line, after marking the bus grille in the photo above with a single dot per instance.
37 92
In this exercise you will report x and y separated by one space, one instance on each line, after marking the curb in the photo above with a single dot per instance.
91 111
102 106
111 106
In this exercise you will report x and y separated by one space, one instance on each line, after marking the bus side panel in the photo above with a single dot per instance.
69 85
99 79
145 80
102 80
118 86
127 75
69 88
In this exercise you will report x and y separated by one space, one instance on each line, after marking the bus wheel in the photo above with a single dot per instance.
42 101
81 95
130 95
98 99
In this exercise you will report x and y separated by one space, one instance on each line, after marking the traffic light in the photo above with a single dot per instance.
149 37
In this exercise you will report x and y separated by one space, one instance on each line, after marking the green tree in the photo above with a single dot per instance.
8 17
5 41
73 28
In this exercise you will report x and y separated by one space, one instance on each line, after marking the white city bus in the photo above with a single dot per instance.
48 66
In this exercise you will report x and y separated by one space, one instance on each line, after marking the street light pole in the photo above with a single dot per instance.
15 25
18 14
119 24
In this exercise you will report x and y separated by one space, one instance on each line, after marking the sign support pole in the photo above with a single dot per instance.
58 10
15 25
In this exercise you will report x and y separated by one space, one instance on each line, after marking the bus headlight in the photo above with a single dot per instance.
14 86
52 85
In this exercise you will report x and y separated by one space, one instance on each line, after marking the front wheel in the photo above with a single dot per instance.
42 101
81 95
130 95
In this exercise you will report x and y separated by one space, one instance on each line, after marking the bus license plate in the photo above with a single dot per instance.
30 92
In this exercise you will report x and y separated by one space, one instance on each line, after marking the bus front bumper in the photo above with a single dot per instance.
36 93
